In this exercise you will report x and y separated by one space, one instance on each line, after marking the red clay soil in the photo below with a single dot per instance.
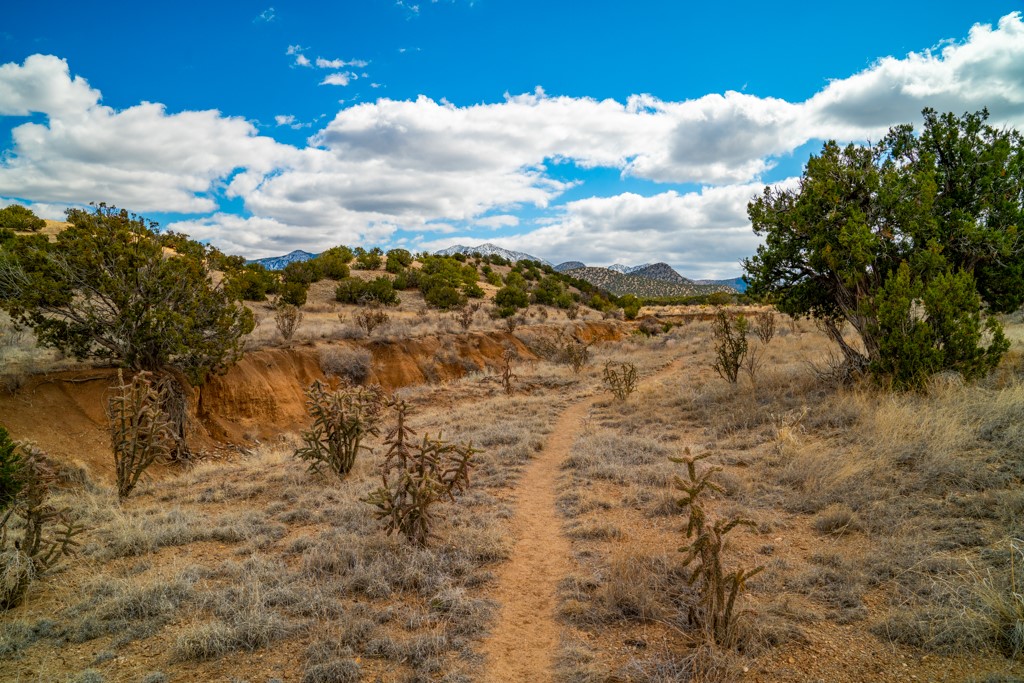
260 397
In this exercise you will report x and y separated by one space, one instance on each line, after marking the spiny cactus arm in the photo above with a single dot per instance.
738 582
723 529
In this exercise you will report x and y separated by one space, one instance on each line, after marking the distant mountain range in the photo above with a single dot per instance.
661 272
279 262
657 279
737 283
648 279
489 249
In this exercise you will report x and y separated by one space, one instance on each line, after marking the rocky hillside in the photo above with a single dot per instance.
569 265
619 284
661 271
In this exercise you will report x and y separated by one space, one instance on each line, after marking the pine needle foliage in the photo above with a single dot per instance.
716 613
341 420
415 477
140 432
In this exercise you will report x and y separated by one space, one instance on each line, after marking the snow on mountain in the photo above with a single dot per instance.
626 270
489 249
279 262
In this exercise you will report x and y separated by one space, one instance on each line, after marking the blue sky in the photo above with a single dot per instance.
599 131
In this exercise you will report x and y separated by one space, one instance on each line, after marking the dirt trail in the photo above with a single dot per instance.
525 639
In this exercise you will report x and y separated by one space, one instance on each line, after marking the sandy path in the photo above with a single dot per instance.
526 637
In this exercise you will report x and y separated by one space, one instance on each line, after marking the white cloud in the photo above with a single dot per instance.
140 157
339 78
422 165
300 59
265 17
499 221
53 212
322 63
43 83
704 234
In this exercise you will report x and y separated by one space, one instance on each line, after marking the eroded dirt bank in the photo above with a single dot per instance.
258 398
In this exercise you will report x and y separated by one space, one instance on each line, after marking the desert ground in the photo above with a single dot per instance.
883 531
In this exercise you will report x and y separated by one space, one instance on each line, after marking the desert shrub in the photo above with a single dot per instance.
350 364
370 318
718 590
730 335
333 263
252 283
764 326
620 379
287 318
417 476
10 462
341 420
464 315
630 306
140 431
508 377
472 290
398 260
511 298
573 311
379 291
753 361
293 293
650 326
511 322
443 296
368 260
43 535
303 272
564 349
17 217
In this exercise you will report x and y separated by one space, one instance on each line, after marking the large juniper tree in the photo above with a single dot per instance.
914 241
109 288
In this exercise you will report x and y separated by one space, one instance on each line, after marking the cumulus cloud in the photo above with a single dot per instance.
378 169
703 233
43 83
985 70
141 157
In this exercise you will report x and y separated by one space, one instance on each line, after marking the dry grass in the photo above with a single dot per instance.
885 519
256 556
904 504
